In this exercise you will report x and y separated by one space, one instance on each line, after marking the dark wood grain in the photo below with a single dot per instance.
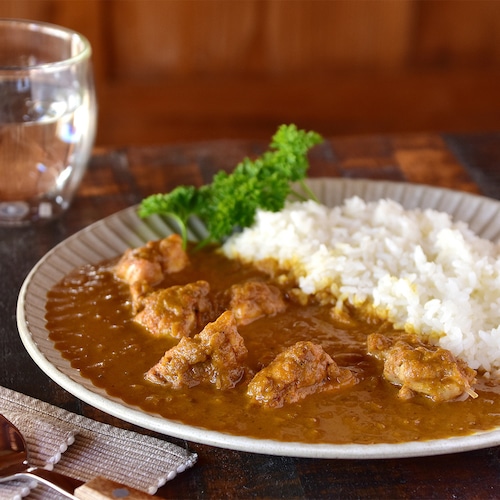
119 178
191 70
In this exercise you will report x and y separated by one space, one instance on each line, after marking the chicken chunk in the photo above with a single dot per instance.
422 368
150 263
176 311
252 300
297 372
214 356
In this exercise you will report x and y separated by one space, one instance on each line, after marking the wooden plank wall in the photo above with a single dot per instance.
177 70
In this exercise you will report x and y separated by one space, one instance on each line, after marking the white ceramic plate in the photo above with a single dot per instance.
112 235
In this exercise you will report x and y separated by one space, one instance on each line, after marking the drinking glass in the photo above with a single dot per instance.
47 119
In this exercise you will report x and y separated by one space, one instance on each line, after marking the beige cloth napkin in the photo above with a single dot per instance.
84 448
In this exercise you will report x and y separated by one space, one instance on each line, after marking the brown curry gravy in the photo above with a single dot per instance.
89 320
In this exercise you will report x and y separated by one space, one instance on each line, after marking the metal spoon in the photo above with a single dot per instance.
14 465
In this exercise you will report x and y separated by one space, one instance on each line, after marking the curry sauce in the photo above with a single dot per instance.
90 320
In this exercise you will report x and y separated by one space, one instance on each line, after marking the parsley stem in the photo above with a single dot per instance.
298 195
309 193
181 226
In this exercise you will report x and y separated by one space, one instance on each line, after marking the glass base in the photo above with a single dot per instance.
24 213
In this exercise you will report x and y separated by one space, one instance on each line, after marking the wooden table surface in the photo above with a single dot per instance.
119 178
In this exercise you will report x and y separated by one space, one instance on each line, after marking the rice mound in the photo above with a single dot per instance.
417 268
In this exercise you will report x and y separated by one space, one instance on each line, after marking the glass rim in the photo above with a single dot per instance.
54 30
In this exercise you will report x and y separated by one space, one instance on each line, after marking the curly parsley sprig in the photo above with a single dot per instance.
232 199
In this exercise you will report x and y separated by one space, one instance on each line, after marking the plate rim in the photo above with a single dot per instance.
117 408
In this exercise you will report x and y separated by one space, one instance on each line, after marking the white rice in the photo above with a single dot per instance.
417 268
